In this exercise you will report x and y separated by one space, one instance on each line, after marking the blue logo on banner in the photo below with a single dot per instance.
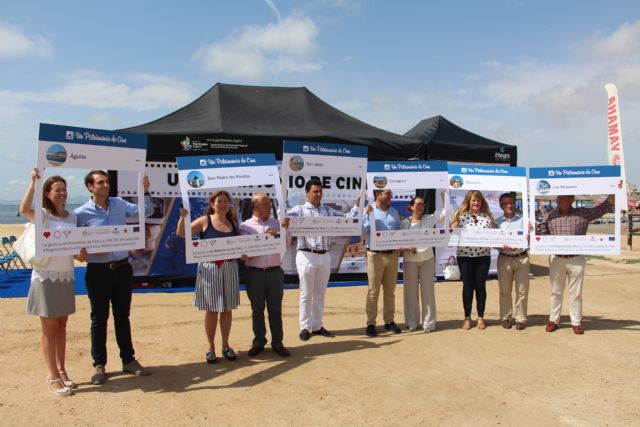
612 239
520 233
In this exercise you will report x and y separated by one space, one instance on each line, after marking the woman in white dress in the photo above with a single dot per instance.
51 294
419 270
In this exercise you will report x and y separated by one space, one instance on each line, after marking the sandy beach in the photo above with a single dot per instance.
449 377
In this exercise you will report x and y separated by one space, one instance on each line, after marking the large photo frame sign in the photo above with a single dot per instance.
403 178
342 171
241 176
589 187
492 181
66 147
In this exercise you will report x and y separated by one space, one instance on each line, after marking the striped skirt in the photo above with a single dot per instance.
217 289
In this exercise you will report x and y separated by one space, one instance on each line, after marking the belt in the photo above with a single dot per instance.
314 251
264 269
112 265
566 256
525 253
387 252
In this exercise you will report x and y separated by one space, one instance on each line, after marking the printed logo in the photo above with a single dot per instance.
296 163
387 167
195 179
56 155
463 170
69 135
186 144
551 173
305 148
543 187
203 162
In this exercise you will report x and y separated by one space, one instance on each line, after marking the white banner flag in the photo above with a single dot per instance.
615 152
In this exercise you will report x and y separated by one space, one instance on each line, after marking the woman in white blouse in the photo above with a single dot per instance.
419 270
473 261
51 294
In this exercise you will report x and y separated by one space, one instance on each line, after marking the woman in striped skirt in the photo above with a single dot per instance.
217 283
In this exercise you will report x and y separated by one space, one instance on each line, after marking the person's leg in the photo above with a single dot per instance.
505 284
557 275
210 325
320 290
275 292
257 293
375 268
522 289
389 280
467 276
575 272
225 327
50 326
427 294
481 274
307 276
121 306
98 290
410 294
61 343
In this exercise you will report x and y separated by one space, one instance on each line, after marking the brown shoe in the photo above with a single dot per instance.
577 329
520 325
481 324
506 323
467 324
551 327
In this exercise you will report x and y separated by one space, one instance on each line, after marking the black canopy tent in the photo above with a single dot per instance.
230 119
447 141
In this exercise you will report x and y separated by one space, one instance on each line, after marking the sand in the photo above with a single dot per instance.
449 377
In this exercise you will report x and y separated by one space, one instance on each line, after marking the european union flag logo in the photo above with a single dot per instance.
612 239
520 233
441 231
136 229
355 221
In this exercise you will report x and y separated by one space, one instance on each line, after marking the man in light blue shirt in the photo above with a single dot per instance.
513 268
382 266
109 275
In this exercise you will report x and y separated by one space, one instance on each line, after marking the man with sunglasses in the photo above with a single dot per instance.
382 266
566 220
513 268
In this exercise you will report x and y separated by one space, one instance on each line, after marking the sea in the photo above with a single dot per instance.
9 214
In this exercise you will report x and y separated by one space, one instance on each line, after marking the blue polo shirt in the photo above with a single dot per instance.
118 210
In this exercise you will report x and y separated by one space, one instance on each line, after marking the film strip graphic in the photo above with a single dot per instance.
163 177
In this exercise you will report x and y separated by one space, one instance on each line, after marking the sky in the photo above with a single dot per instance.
525 72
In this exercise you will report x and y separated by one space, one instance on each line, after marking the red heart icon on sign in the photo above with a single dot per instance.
538 238
378 234
196 244
46 234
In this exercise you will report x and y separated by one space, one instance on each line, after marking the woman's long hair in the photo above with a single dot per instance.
210 210
465 206
46 187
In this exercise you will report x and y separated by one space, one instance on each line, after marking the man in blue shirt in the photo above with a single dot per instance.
382 266
513 268
109 275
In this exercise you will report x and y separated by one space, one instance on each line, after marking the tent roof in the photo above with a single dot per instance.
447 141
278 112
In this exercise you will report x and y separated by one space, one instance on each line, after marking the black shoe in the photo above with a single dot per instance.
305 335
322 331
282 351
371 331
392 327
255 350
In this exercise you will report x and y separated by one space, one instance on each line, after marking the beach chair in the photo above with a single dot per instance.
8 257
7 242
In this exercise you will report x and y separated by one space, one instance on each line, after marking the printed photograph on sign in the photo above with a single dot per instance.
232 207
84 159
574 210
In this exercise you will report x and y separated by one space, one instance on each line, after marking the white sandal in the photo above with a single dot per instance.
64 391
68 382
